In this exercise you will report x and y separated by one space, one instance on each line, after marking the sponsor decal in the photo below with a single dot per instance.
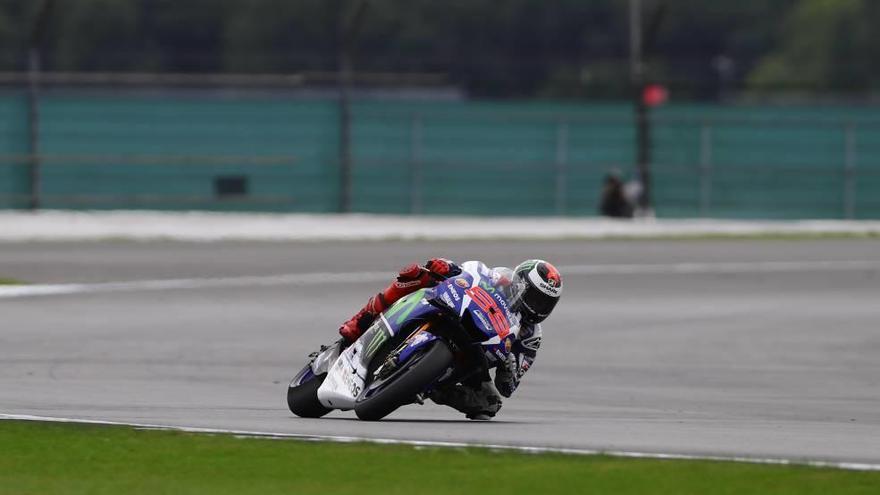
503 302
462 283
508 343
533 343
353 387
404 307
378 339
455 295
528 265
487 303
543 286
482 318
448 300
552 289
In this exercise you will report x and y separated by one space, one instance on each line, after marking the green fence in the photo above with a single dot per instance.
277 152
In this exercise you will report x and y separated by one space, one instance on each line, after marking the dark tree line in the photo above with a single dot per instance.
501 48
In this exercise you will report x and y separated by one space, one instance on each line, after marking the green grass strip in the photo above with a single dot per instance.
10 281
47 458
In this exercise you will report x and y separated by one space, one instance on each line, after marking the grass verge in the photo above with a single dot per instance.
10 281
46 458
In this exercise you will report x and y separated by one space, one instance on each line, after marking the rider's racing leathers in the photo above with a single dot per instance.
477 398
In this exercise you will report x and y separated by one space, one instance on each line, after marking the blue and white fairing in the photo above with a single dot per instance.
478 294
481 294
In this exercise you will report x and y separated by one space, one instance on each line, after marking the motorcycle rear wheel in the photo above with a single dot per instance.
403 389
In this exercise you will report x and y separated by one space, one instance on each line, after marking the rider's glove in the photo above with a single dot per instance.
434 270
442 268
507 375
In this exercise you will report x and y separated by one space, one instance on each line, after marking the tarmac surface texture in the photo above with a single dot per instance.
732 348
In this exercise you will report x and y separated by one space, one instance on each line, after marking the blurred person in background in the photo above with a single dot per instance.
614 202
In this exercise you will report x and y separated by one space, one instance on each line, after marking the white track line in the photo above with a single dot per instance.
723 267
853 466
308 279
291 279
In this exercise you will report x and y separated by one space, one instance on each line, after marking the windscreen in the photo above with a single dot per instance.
503 278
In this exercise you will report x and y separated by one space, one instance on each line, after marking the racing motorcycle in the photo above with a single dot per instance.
430 338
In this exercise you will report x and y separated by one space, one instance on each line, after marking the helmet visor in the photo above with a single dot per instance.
539 304
531 302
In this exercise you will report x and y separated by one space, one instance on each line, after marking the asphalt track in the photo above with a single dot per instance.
731 348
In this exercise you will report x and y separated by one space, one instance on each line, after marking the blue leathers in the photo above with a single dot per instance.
483 399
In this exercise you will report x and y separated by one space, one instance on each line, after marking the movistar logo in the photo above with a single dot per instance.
495 293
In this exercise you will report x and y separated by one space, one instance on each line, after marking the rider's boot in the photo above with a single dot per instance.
478 403
357 324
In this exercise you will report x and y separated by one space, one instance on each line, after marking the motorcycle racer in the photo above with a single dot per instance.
534 288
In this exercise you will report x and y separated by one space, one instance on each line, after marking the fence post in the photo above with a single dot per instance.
561 165
705 169
416 180
33 98
849 171
37 38
348 29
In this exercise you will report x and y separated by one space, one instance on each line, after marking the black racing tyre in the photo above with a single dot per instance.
303 399
411 380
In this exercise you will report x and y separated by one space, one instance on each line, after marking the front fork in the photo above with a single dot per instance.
471 364
416 340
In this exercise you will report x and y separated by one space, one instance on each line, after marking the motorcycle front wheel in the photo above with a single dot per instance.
303 399
405 383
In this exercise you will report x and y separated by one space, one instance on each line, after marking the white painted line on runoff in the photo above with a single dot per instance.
291 279
854 466
308 279
722 267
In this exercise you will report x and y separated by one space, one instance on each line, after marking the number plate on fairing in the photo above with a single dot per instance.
345 379
343 384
